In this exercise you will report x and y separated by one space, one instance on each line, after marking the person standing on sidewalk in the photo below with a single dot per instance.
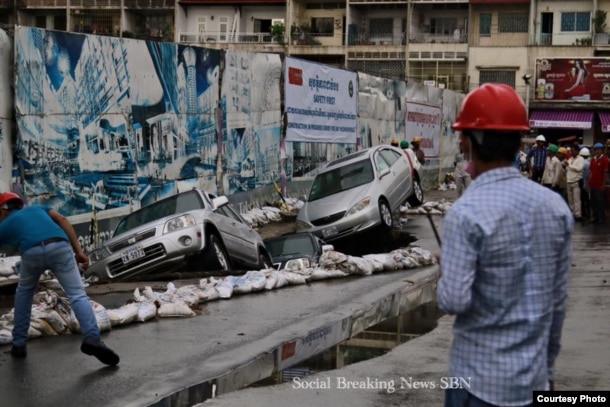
560 177
597 183
551 168
47 241
574 168
585 202
462 178
505 261
536 158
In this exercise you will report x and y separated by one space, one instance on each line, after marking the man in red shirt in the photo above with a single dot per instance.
597 183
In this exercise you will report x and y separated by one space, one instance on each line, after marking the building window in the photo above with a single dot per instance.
571 22
512 22
323 26
485 24
443 26
380 27
505 77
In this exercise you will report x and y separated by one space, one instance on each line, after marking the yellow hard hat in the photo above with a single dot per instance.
394 142
416 140
562 150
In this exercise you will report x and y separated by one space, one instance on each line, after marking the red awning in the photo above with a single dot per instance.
564 119
604 117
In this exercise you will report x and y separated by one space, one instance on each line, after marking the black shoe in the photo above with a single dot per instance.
19 351
97 348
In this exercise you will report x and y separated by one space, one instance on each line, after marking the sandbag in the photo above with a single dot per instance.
6 337
177 309
123 315
376 261
146 311
188 294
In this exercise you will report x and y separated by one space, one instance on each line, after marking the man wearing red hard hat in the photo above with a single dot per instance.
47 241
501 274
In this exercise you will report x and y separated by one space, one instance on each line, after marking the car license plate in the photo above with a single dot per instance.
331 231
133 253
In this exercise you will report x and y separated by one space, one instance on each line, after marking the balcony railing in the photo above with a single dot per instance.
601 39
42 3
222 37
141 4
565 39
129 4
500 40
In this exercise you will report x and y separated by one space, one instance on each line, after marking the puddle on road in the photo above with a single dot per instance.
374 342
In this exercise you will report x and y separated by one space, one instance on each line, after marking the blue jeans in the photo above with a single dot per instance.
59 258
463 398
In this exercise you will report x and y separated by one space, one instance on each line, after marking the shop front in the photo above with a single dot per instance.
564 126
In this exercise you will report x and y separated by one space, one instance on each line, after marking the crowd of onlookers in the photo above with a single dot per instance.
576 172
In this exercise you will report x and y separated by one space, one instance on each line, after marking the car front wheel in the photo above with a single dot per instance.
385 213
216 255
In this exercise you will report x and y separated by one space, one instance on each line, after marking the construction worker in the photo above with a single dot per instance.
502 274
551 168
419 153
574 171
536 159
404 144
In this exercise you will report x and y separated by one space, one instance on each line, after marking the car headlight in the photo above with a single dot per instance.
297 264
363 203
178 223
300 225
97 255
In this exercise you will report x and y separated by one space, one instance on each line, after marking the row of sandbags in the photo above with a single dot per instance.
258 217
430 207
52 315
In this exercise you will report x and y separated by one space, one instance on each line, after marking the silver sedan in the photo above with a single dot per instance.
359 192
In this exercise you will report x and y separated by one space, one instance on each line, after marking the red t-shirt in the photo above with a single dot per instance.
598 169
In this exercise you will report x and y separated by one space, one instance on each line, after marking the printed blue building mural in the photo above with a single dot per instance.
106 123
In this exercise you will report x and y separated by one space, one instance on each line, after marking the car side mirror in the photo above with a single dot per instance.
219 201
384 173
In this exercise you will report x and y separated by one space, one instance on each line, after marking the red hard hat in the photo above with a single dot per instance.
492 106
10 196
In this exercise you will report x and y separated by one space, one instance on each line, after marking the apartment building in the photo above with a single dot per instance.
142 19
537 46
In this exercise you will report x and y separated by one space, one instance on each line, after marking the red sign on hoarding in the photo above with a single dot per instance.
580 79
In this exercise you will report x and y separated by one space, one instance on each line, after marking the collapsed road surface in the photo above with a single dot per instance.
231 344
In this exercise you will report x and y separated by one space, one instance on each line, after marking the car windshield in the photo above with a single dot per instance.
173 205
341 179
291 245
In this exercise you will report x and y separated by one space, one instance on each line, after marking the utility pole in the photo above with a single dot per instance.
526 78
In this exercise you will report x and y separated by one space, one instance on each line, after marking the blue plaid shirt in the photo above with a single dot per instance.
505 259
539 155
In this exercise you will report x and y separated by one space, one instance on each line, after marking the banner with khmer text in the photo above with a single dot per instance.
321 103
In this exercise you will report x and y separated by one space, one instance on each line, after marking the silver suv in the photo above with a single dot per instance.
192 227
